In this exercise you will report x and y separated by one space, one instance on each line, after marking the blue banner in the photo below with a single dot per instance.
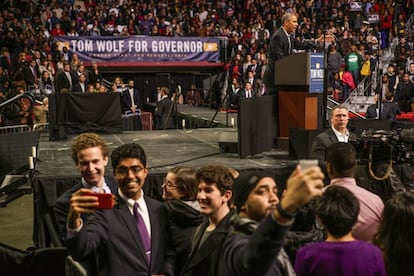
316 73
142 48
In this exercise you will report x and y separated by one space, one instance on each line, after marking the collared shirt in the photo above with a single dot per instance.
371 207
131 93
341 137
105 188
142 210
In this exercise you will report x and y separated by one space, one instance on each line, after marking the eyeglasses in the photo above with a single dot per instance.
168 184
123 171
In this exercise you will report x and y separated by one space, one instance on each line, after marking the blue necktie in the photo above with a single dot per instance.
142 229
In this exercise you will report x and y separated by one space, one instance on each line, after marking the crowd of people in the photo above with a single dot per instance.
215 220
31 61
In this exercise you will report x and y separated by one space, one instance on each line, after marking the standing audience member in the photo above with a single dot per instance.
340 254
341 164
130 98
255 197
224 252
179 191
337 133
353 62
133 237
165 111
90 154
395 233
65 79
46 84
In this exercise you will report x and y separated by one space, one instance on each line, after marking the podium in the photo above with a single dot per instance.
300 78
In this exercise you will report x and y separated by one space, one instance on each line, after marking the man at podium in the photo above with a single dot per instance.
282 43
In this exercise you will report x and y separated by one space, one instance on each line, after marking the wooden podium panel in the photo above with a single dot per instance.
297 109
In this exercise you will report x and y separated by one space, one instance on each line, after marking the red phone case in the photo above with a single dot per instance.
105 200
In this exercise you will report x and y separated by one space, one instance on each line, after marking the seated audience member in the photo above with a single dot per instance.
90 154
341 165
255 196
179 191
217 250
193 96
390 109
340 254
395 234
372 110
133 237
337 133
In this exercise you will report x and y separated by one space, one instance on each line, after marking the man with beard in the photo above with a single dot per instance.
133 237
255 197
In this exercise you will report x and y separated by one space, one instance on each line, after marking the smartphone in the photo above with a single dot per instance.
105 200
307 163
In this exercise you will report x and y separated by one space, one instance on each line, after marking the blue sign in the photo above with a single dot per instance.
142 48
316 75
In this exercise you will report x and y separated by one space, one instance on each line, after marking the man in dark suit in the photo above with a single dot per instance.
81 86
133 237
130 98
247 92
165 111
389 110
255 85
65 79
90 153
31 74
337 133
282 44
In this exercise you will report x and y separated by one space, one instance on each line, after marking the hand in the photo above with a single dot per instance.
301 187
81 202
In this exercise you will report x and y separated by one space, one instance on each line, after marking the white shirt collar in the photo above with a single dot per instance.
341 137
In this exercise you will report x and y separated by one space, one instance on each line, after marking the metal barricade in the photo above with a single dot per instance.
41 126
14 129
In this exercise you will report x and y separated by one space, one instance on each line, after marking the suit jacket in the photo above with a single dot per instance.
63 82
77 88
61 209
114 233
29 77
126 101
371 112
243 93
390 111
323 140
193 99
257 71
255 86
165 113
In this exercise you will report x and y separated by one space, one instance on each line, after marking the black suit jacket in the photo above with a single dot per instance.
165 113
61 209
29 77
77 88
126 101
114 233
371 112
63 82
323 140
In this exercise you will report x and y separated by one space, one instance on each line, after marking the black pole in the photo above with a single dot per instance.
325 83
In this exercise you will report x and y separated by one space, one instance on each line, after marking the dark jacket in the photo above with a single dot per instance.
323 140
184 220
114 233
281 265
61 209
226 252
165 113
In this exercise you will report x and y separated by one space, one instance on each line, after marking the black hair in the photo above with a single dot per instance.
338 210
131 150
